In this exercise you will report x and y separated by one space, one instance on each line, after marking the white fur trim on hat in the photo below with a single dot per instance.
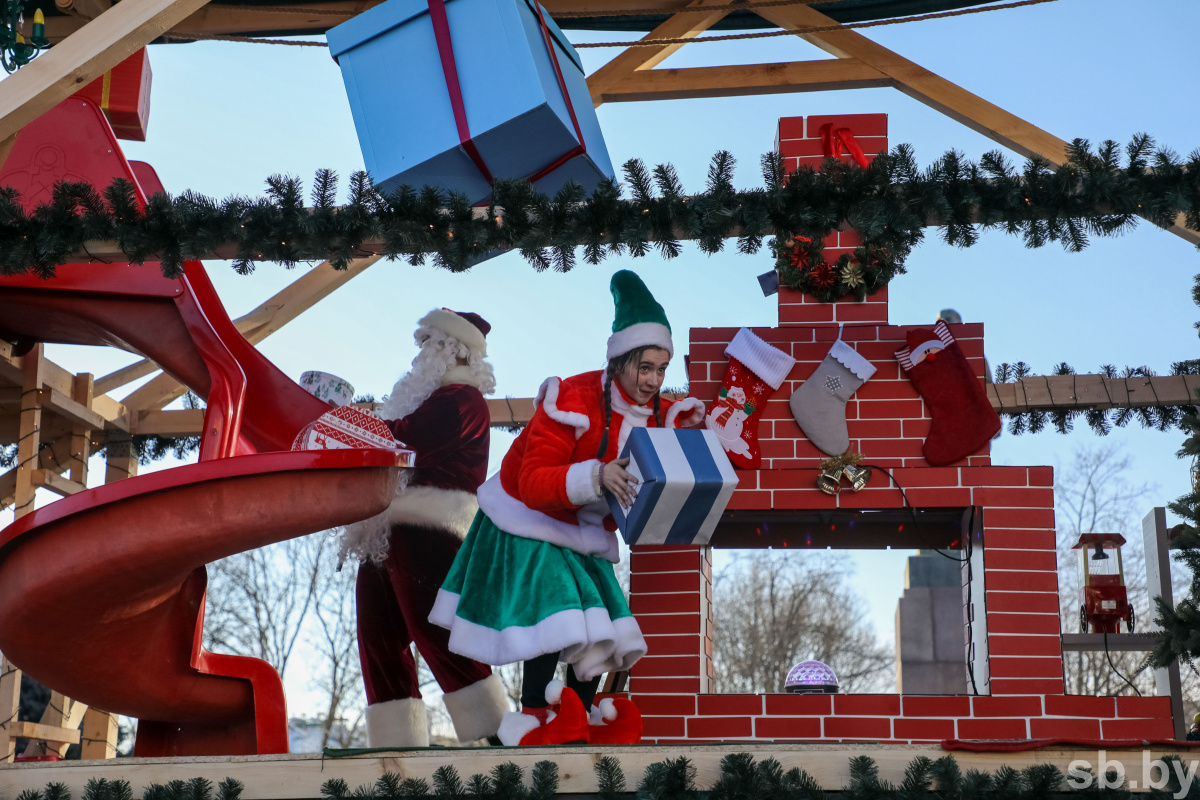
456 326
640 334
476 710
695 408
397 723
768 362
547 398
515 725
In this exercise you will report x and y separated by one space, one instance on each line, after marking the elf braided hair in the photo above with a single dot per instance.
616 366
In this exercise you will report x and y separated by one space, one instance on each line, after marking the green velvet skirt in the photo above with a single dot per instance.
508 598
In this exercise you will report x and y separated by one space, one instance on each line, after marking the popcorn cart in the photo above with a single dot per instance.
1105 603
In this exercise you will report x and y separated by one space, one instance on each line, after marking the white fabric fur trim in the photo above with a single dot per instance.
430 507
768 362
605 712
554 690
462 373
515 726
476 710
397 723
694 405
514 517
547 398
456 326
581 489
849 358
587 639
640 334
632 416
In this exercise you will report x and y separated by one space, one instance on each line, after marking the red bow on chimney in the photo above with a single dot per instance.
834 140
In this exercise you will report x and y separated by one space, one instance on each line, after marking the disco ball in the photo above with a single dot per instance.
811 677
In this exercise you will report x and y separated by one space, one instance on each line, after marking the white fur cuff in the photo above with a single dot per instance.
515 725
581 489
397 723
476 710
431 507
689 412
766 361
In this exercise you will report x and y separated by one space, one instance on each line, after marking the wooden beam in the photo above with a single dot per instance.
10 703
117 379
745 79
60 452
1051 392
85 55
154 394
81 437
680 26
119 457
49 479
177 422
55 401
100 733
61 714
933 90
30 443
49 733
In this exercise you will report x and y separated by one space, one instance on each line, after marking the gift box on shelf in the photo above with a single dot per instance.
123 94
685 482
348 428
449 94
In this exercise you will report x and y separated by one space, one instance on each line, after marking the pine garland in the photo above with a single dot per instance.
741 778
889 203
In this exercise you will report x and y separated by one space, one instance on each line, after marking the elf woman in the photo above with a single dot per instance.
534 578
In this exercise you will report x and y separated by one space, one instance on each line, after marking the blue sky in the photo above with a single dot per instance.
224 116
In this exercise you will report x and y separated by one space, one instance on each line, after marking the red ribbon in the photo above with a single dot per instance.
833 140
445 46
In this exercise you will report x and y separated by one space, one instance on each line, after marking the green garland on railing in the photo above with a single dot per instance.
742 778
889 203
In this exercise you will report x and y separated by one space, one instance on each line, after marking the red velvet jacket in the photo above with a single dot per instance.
544 489
451 434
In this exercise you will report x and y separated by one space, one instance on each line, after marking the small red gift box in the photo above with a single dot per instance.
123 93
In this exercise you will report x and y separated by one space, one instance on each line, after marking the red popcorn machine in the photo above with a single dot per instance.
1105 602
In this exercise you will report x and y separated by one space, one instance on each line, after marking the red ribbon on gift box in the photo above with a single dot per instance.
445 46
834 140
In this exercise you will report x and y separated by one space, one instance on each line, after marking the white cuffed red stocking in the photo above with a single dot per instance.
756 369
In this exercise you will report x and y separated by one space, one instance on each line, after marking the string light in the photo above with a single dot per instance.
15 50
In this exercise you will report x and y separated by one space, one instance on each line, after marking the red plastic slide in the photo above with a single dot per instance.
102 593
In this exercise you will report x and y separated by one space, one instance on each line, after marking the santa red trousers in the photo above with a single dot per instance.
394 601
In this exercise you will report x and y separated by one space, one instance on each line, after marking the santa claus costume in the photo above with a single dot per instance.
534 579
439 411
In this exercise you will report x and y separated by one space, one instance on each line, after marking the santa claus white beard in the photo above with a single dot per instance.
415 386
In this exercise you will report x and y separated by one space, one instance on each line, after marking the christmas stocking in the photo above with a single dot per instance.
819 406
755 371
963 419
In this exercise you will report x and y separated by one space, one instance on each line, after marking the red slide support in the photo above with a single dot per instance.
102 593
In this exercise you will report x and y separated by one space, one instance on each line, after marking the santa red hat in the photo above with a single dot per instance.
466 326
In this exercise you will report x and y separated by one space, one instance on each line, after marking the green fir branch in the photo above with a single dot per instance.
889 203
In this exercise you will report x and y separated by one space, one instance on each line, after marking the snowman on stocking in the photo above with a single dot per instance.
756 369
963 419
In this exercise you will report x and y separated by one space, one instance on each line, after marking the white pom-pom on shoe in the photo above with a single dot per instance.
554 690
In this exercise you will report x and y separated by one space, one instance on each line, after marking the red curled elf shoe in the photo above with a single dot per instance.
616 721
564 722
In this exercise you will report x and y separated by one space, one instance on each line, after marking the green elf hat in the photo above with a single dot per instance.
640 320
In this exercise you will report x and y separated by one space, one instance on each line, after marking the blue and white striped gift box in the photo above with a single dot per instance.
686 481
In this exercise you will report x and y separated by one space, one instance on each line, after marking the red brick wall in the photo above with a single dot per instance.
1013 599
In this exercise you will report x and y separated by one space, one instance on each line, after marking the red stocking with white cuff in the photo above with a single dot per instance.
963 418
756 369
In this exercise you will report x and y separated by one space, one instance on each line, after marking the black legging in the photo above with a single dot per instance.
540 671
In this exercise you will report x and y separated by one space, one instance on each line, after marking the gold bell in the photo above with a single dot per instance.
859 477
828 480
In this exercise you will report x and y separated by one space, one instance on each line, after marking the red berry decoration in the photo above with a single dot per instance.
823 276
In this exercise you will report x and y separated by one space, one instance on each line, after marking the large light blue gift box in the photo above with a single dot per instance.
686 481
515 112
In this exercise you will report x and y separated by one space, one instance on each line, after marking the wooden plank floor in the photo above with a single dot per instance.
292 777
